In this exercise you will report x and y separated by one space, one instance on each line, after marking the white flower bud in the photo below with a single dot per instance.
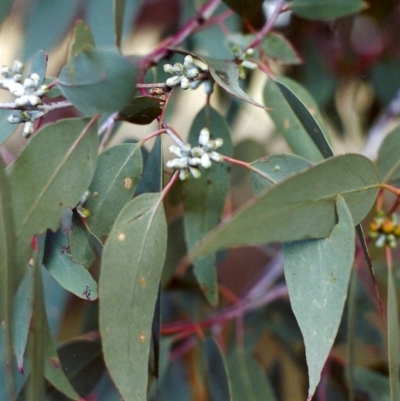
178 68
215 156
205 161
175 150
186 148
208 87
249 64
14 119
185 84
196 173
192 73
195 161
214 144
204 136
177 163
173 81
22 101
249 52
29 83
28 129
17 78
197 151
34 100
16 89
18 67
5 71
188 61
36 78
42 90
168 68
183 174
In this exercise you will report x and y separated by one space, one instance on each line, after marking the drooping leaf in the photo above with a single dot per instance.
277 167
393 335
326 9
6 129
388 163
245 8
59 263
82 40
286 120
247 378
277 47
132 263
300 207
98 81
141 110
5 8
226 75
217 372
205 198
50 175
39 34
317 274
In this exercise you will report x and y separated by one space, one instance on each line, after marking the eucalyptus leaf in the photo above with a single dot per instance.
39 66
217 372
245 8
277 47
317 274
205 198
141 110
388 163
82 40
50 175
5 9
326 9
119 10
98 81
300 207
6 129
131 268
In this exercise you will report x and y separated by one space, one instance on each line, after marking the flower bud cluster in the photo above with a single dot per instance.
183 74
386 230
190 159
244 58
83 212
27 92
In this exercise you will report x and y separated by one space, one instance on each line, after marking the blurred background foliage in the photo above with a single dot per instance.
351 67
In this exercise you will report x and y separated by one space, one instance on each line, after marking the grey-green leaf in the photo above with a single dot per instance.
6 129
82 40
205 198
132 263
98 81
300 207
388 163
277 47
50 175
317 274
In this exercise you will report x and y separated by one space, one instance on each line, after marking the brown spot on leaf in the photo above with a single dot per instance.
95 194
121 237
55 362
142 338
128 182
286 123
143 281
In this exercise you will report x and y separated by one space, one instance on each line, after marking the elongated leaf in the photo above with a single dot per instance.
277 167
326 9
141 110
5 9
205 198
119 9
393 335
226 75
132 262
50 175
98 81
217 372
6 129
277 47
317 274
288 122
72 277
248 379
39 65
300 207
82 40
245 8
388 163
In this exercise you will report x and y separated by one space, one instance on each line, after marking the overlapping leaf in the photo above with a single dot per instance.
50 175
132 263
388 163
300 207
141 110
317 274
205 198
277 47
82 40
245 8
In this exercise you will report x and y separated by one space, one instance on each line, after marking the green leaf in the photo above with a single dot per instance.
205 198
39 65
287 121
132 263
277 47
72 277
317 274
141 110
5 8
81 243
98 81
393 336
388 163
245 8
220 387
82 40
226 75
300 207
6 129
248 379
326 9
119 10
277 167
50 175
117 176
